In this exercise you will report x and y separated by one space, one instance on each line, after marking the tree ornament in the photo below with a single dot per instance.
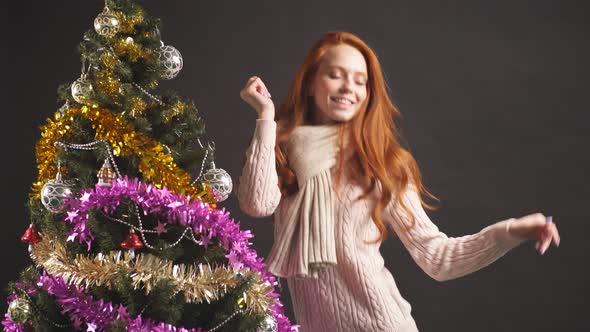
61 112
31 236
54 192
170 61
106 23
82 90
132 242
269 324
106 174
19 310
220 181
241 301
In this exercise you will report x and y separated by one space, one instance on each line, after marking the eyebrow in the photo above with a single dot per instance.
344 69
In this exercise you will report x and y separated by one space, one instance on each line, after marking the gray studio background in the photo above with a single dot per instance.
494 97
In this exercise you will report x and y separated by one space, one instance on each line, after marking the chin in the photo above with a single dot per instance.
340 116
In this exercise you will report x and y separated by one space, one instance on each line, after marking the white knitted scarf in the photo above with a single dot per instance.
304 240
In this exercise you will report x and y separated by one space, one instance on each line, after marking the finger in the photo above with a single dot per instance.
552 230
533 221
554 234
248 85
251 91
539 219
545 244
541 236
263 88
251 81
254 84
260 89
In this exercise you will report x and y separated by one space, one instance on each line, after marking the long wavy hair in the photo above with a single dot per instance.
373 156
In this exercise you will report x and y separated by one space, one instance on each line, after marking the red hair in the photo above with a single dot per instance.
375 155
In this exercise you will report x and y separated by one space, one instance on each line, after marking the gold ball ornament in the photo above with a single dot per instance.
106 23
82 90
19 310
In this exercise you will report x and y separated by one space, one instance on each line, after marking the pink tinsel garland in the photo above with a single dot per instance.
206 222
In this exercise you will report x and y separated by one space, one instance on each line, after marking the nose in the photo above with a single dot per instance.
345 86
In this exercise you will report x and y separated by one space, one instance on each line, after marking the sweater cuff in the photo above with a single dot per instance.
503 237
266 131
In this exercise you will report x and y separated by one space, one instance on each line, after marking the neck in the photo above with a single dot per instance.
318 118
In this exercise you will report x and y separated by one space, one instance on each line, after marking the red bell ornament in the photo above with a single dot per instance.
132 241
31 235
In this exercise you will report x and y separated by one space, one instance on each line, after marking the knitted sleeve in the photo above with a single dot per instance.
258 189
442 257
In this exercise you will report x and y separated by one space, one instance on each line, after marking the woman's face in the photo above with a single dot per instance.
340 85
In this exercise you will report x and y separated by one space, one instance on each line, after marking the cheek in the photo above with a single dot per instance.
321 96
322 89
362 95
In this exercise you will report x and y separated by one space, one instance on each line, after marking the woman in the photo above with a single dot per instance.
332 172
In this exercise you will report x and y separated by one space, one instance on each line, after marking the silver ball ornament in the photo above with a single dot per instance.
269 324
220 181
19 310
106 23
170 62
54 194
82 90
61 112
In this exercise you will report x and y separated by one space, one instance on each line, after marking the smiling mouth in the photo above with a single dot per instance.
341 100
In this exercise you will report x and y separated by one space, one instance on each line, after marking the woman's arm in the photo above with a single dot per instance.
258 189
258 186
442 257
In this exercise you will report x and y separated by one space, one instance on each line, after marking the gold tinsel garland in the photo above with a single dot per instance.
105 82
126 46
198 283
127 23
137 106
177 108
156 166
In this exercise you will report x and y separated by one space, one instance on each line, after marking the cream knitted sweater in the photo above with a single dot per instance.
359 293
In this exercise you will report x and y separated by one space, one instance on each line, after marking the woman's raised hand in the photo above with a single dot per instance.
536 227
257 96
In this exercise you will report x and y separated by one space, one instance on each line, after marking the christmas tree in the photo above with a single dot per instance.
121 236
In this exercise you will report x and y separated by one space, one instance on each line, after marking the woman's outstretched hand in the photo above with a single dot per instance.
257 96
536 227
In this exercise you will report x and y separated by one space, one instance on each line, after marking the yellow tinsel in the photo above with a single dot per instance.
156 165
138 106
128 47
127 23
109 61
152 84
174 110
198 283
105 82
108 85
